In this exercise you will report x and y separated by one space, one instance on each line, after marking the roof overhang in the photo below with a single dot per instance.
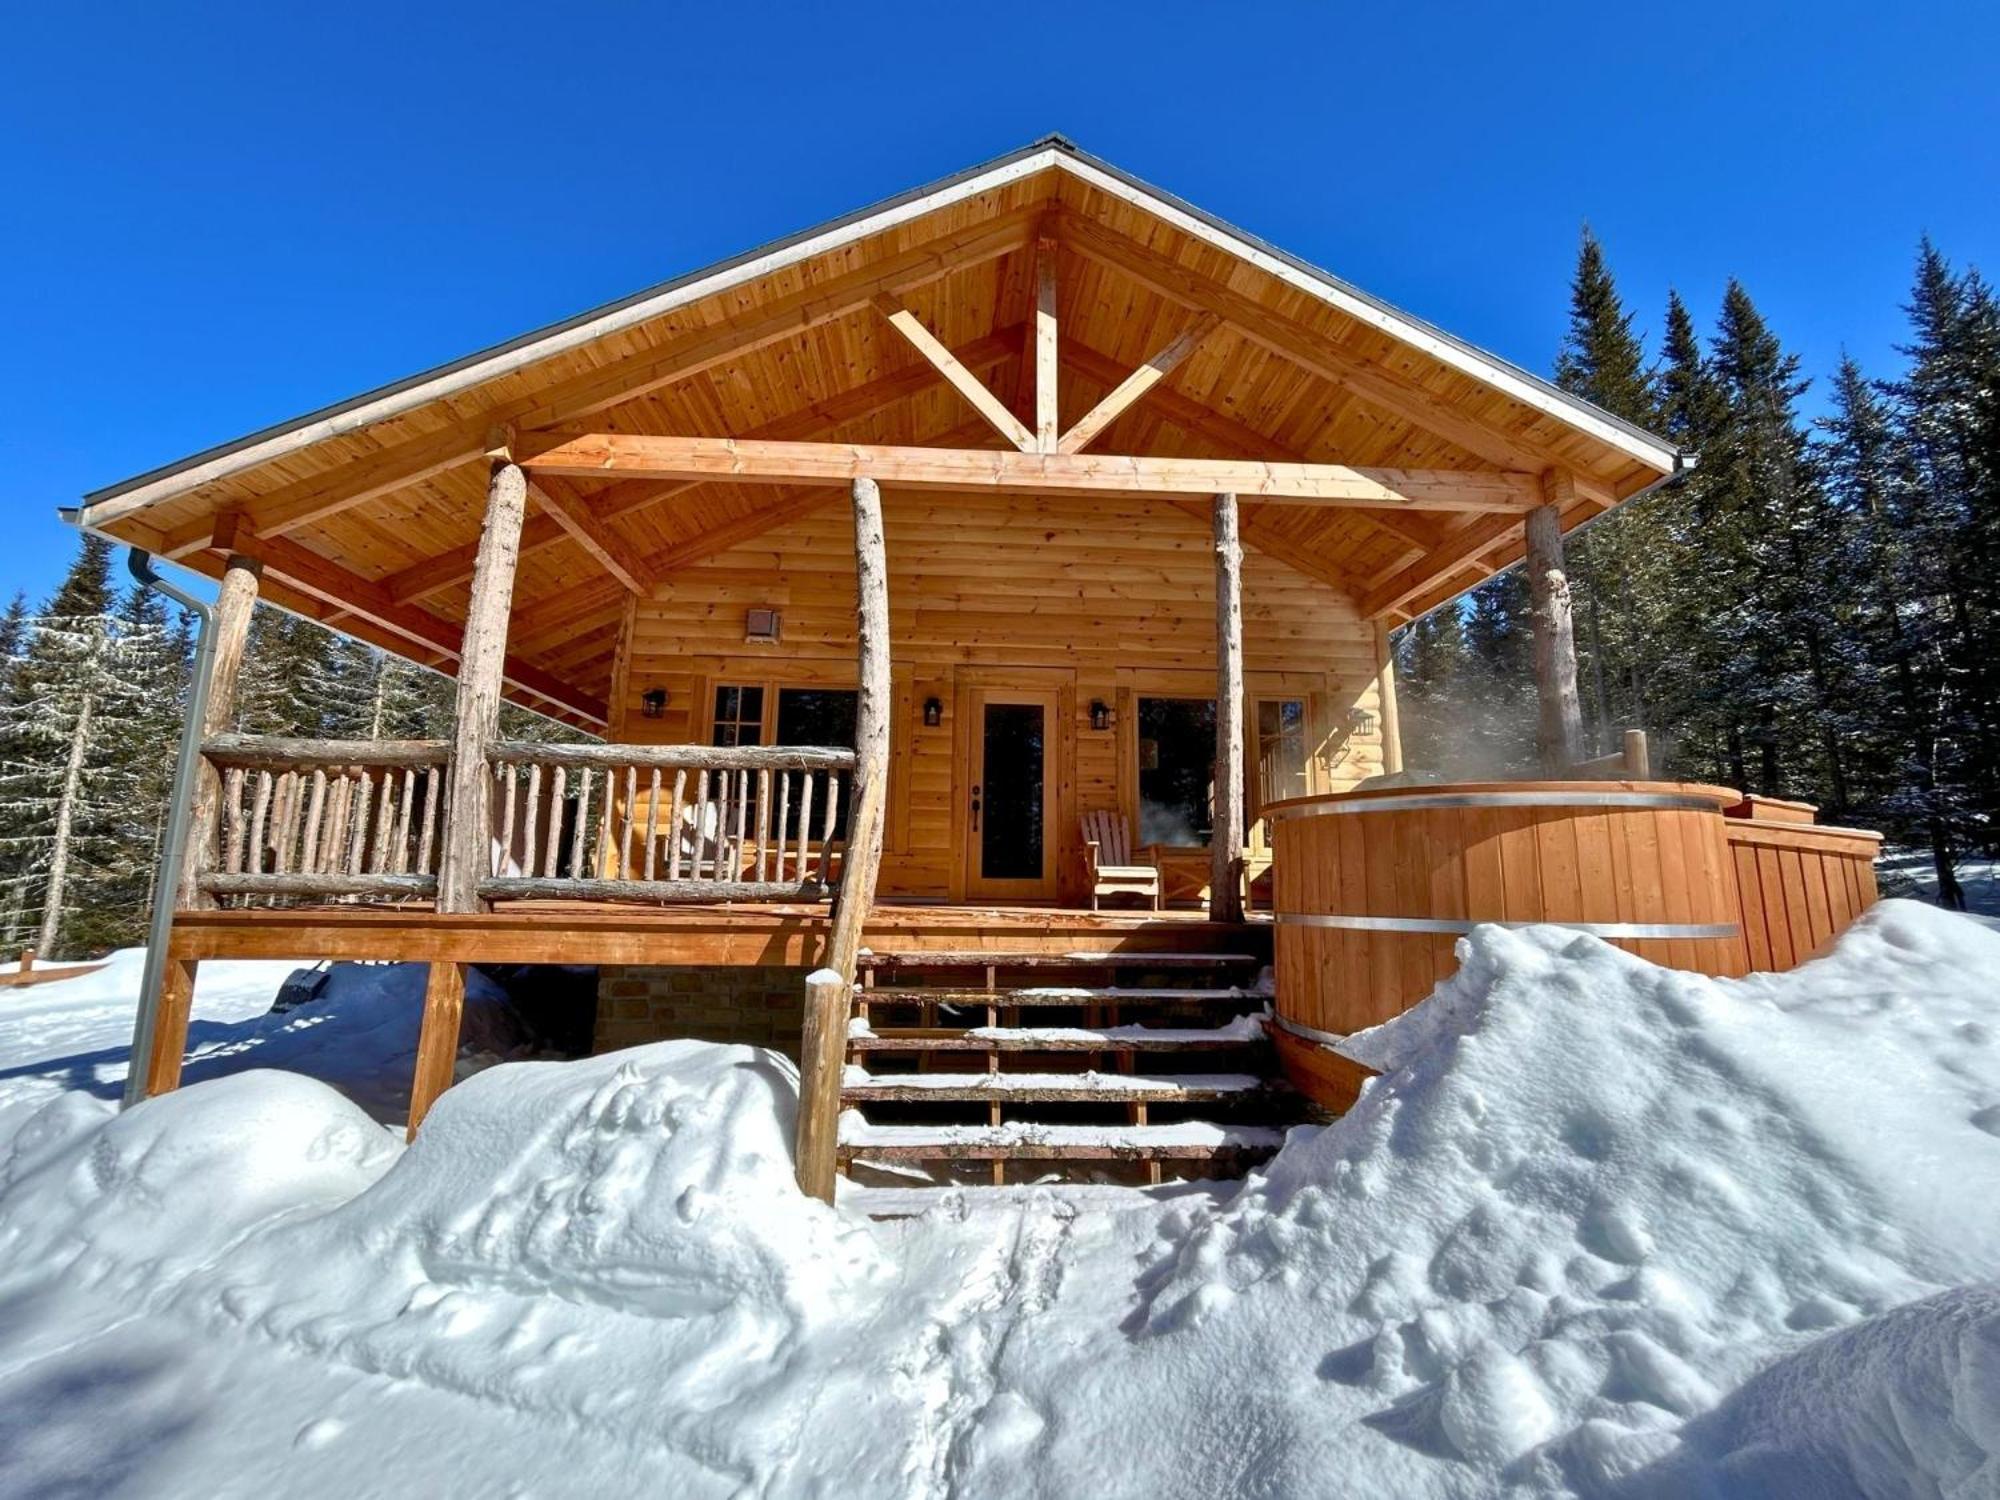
1050 153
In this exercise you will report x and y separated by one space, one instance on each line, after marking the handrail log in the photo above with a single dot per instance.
671 757
522 887
271 752
319 885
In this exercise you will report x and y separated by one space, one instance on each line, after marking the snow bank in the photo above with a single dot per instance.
155 1192
1907 1403
359 1034
1588 1198
1600 1229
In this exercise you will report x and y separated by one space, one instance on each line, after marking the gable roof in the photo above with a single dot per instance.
364 494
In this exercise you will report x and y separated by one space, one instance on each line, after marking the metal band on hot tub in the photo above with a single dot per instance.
1331 1040
1453 927
1422 801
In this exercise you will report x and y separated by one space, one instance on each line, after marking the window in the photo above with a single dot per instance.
805 716
1281 750
1176 770
739 716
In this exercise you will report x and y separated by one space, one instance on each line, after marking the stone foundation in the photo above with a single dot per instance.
763 1007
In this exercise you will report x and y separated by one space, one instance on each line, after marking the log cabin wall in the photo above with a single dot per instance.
1086 599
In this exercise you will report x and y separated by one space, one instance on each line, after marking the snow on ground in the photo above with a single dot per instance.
1600 1229
76 1034
1911 872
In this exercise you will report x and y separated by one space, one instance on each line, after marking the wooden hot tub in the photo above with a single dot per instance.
1371 890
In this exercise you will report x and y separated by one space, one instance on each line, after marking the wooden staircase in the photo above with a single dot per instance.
1113 1065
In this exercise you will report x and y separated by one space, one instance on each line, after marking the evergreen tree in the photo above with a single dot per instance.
1603 361
1896 650
1430 667
1497 708
1943 410
66 791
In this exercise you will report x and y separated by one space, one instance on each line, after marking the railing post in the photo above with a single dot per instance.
829 989
1225 881
235 604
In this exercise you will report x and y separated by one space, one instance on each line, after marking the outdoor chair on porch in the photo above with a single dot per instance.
1107 853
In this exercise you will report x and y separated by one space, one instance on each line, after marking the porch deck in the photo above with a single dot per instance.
775 934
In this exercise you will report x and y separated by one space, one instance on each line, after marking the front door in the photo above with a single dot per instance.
1007 820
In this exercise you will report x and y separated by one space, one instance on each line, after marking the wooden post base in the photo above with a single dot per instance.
822 1058
437 1043
170 1028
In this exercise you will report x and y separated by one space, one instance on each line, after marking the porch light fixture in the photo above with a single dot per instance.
760 624
653 702
1361 721
1100 715
933 713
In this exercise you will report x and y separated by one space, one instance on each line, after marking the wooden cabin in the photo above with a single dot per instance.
877 560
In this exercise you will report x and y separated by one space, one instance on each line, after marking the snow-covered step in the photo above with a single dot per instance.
1244 1031
1197 1141
1055 994
974 958
1049 1088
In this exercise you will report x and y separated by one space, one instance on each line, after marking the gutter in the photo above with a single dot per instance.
173 846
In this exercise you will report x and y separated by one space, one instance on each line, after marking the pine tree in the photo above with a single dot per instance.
1896 649
64 789
1430 667
283 659
1497 700
1942 412
1603 361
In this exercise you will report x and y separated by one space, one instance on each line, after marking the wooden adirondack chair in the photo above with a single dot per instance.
1107 851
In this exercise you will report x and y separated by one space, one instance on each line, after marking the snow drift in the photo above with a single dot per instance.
1600 1228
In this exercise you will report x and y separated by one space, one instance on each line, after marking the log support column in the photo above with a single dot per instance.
437 1042
235 604
1225 886
162 1064
1385 690
466 856
162 1028
1559 725
830 989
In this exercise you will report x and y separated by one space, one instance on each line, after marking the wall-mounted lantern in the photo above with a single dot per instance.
653 702
1361 721
933 713
1100 715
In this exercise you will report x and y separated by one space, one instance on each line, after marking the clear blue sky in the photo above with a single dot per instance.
221 216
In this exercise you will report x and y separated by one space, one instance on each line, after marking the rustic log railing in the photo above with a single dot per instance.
322 819
665 822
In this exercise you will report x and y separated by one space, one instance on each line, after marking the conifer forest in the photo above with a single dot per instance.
1812 612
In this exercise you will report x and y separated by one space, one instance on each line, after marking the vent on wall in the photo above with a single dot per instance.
760 625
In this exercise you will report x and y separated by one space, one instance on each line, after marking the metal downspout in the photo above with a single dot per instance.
166 878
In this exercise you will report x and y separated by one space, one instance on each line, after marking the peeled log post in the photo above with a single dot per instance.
821 1059
822 1054
467 841
1225 881
466 857
1559 728
234 605
1385 680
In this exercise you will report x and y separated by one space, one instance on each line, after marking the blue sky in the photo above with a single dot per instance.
218 216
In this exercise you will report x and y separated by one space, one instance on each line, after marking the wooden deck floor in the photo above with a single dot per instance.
569 932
